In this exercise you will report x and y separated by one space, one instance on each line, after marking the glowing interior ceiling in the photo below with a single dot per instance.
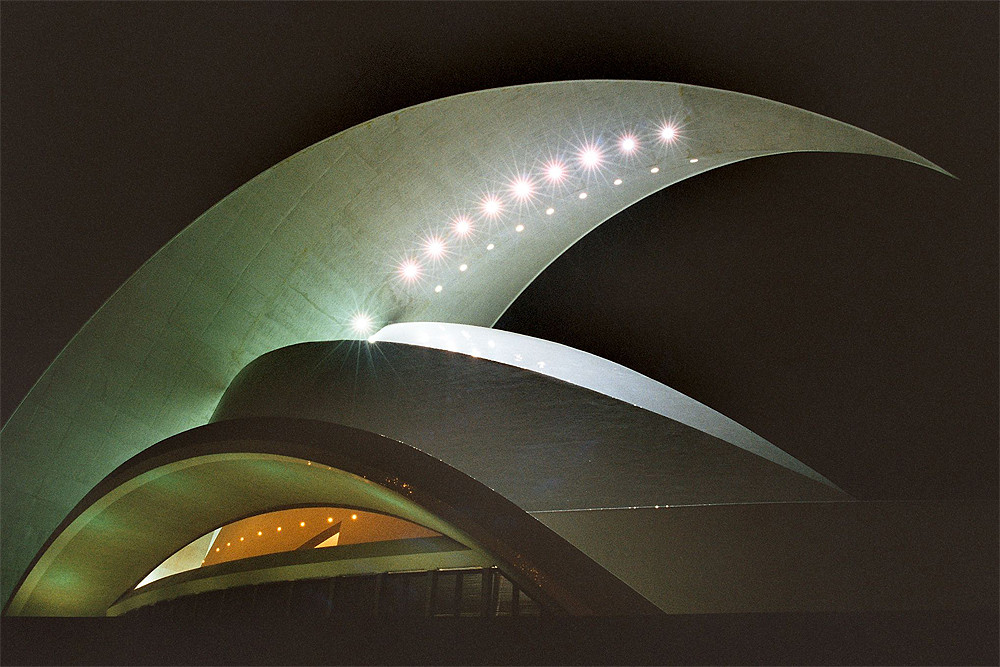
287 530
440 212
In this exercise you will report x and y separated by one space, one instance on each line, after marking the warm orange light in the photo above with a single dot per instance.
228 544
353 517
329 519
216 548
241 539
279 529
302 524
260 532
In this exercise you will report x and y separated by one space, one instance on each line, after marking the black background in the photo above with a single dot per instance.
844 307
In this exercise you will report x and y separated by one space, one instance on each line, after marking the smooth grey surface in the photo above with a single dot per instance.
835 556
540 442
299 250
590 372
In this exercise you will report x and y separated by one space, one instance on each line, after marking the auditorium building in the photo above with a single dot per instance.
299 405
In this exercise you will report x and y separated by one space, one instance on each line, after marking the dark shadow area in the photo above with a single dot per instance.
924 637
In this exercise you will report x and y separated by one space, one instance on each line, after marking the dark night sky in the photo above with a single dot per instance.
844 307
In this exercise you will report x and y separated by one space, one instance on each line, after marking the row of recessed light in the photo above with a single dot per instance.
302 524
523 188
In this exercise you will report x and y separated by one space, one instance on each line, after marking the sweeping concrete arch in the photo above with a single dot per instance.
541 441
444 211
205 478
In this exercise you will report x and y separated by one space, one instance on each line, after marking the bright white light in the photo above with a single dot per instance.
490 247
519 228
555 172
461 226
491 206
693 160
463 267
434 248
409 270
628 144
654 170
549 211
591 157
522 188
438 289
668 133
583 195
618 181
361 323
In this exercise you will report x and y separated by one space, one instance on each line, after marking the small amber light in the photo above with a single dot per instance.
353 517
329 519
260 532
279 529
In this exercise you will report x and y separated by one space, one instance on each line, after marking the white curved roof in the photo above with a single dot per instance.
591 372
324 239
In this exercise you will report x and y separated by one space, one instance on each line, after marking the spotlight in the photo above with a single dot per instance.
491 206
555 172
434 248
361 323
522 188
409 270
461 226
693 160
549 211
654 170
519 228
463 267
591 157
668 133
618 181
438 289
628 144
490 247
583 195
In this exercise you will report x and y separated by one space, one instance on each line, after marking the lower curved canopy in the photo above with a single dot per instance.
203 479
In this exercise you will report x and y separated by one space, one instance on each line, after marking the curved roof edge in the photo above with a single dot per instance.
591 372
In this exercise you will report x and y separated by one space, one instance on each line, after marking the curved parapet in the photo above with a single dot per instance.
443 212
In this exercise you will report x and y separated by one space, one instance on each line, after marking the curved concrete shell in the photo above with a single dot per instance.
543 443
590 372
444 212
